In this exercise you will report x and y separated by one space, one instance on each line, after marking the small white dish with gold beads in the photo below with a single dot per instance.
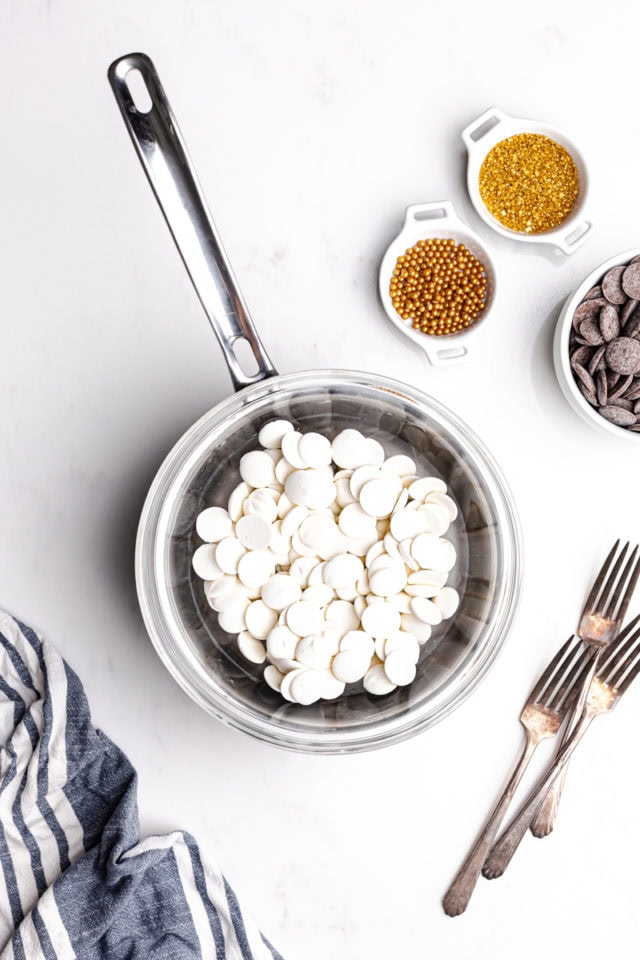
425 221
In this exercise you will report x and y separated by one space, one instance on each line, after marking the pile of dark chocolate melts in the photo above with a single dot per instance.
604 346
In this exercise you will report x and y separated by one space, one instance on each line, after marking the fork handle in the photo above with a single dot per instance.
457 897
544 820
500 856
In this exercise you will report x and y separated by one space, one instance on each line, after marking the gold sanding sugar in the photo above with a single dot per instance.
529 183
439 285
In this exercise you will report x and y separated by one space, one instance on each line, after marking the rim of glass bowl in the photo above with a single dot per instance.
154 590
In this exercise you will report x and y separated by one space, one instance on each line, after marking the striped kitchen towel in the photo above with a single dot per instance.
76 880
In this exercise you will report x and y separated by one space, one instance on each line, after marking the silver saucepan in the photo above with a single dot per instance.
202 469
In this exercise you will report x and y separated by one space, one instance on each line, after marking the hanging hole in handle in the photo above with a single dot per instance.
484 128
243 352
576 235
451 353
138 90
437 213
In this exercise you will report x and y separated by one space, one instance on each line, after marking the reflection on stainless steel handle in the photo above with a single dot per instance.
164 157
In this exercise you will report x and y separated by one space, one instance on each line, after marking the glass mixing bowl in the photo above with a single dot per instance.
201 471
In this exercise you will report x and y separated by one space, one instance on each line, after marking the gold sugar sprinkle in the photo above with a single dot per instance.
439 285
529 183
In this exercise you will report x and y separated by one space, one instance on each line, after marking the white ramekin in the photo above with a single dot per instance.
493 126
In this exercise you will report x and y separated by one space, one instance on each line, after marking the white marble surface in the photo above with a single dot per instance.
312 126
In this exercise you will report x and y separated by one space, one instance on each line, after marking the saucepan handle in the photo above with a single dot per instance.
165 160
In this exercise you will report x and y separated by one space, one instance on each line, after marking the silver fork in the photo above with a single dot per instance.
618 668
603 614
542 716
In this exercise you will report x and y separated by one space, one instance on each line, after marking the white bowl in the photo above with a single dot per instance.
561 362
481 136
439 219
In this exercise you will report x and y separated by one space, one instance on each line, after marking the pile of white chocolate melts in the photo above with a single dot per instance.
329 562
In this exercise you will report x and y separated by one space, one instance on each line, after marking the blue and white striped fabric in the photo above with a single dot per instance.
75 878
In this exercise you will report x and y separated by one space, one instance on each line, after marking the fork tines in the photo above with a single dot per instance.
620 601
607 598
620 664
559 682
